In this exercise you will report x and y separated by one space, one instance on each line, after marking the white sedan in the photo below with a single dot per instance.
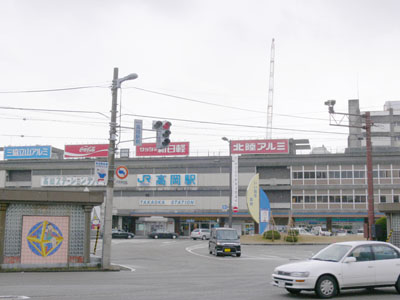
347 265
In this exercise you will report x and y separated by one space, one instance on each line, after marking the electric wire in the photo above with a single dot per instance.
53 90
236 125
216 104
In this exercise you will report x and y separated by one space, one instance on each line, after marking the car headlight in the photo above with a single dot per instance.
300 274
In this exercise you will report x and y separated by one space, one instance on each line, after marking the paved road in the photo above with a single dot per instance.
174 269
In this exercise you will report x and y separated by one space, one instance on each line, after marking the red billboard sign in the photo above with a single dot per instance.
82 151
173 149
260 147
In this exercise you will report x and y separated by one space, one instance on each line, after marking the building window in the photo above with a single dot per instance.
359 174
385 174
297 175
334 174
309 175
360 199
334 199
347 199
347 174
322 199
396 173
309 199
297 199
321 175
396 198
19 175
383 199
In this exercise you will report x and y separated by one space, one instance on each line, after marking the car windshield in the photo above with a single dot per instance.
332 253
227 235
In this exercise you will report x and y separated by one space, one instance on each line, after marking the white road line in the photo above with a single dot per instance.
14 297
209 256
125 266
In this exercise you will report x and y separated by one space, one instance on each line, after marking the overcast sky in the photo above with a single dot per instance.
212 55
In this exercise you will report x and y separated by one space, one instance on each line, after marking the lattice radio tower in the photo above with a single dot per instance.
271 91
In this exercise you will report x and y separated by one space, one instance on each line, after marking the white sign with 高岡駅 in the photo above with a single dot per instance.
167 202
167 180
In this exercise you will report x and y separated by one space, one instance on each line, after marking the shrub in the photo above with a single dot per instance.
268 235
381 229
293 232
291 238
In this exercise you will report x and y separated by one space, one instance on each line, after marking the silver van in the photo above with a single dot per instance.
203 234
224 241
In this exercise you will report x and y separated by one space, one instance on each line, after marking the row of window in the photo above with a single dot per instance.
340 199
343 174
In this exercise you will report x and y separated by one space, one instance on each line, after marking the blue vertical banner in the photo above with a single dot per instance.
265 212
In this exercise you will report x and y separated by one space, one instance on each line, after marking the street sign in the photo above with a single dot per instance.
138 125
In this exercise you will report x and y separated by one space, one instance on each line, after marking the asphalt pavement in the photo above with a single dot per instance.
174 269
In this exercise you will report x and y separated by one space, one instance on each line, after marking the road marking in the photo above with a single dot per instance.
14 297
125 266
196 247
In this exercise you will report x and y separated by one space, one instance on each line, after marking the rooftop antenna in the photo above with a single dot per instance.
271 91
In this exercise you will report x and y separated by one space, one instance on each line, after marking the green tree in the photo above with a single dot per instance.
381 229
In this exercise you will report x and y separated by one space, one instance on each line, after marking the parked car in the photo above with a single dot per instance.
318 230
341 233
200 233
121 234
224 241
345 265
163 235
302 231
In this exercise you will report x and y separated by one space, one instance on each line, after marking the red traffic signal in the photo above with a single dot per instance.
166 125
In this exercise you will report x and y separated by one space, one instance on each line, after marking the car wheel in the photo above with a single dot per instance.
203 237
174 236
194 239
156 236
293 291
326 287
238 254
129 237
397 286
209 250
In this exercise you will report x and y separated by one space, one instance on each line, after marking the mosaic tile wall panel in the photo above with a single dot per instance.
44 240
14 215
395 238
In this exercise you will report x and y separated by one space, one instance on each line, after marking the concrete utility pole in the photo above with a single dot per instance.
106 255
370 179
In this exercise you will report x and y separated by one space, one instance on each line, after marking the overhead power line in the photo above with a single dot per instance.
234 125
53 90
218 105
54 110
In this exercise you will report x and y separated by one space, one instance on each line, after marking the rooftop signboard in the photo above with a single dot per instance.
260 147
173 149
27 152
83 151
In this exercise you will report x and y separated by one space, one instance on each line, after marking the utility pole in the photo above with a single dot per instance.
116 83
370 179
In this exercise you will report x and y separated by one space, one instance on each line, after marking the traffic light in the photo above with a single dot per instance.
163 131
